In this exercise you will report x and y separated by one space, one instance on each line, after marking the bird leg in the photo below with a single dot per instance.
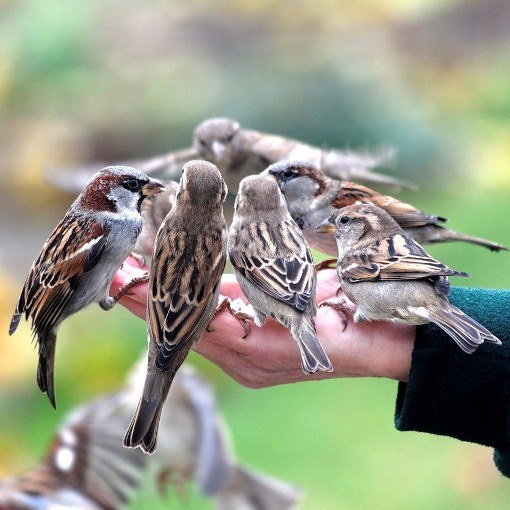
125 290
340 307
326 264
240 316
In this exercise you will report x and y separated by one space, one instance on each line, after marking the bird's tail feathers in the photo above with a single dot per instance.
451 235
46 367
313 356
466 332
143 430
250 490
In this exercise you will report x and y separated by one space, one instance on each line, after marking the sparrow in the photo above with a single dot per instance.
239 152
187 263
274 267
312 198
194 445
85 467
154 211
77 263
390 277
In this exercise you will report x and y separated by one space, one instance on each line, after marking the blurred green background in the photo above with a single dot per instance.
108 80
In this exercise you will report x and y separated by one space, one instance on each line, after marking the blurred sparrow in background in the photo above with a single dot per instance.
389 276
312 198
240 152
87 467
274 267
79 260
189 258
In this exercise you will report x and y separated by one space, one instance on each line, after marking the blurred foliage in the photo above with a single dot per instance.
125 79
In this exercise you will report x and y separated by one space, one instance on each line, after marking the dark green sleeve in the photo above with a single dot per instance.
466 396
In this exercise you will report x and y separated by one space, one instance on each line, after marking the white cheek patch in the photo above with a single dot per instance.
64 458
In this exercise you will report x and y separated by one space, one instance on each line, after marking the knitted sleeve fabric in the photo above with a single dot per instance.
466 396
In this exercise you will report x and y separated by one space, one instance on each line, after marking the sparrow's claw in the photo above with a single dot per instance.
342 309
326 264
240 316
139 258
125 290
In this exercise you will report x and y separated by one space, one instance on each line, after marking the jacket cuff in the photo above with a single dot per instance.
461 395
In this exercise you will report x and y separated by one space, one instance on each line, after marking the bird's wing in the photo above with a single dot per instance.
289 277
167 166
404 214
185 275
74 248
397 257
87 453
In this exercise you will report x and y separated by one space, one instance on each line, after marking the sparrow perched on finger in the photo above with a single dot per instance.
312 198
154 211
77 263
240 152
389 276
187 263
273 266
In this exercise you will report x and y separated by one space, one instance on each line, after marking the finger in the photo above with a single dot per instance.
327 284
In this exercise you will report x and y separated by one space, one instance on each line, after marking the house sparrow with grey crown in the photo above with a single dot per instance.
274 267
188 260
312 198
76 265
240 152
389 276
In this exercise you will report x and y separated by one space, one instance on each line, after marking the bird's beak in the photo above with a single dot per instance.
218 149
153 187
326 227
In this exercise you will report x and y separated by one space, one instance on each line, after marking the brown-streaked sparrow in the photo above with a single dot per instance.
154 211
274 267
187 263
77 263
240 152
389 276
312 198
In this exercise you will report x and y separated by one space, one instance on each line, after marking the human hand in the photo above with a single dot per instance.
269 356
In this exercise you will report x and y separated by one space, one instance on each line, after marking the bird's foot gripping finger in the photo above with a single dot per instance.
139 258
340 307
240 316
125 290
326 264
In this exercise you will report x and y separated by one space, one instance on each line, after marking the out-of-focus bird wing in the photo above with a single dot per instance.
167 166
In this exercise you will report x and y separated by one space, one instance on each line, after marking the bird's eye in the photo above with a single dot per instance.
132 185
344 220
229 138
288 173
202 142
